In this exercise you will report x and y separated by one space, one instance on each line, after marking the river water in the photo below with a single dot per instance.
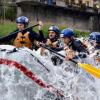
73 81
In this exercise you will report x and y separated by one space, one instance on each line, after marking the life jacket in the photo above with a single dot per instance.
52 43
22 40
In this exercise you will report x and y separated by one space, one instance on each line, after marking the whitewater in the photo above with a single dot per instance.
71 80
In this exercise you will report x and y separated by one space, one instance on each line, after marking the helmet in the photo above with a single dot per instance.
22 20
54 28
68 32
94 36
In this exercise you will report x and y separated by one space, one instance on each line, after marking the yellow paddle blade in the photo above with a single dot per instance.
91 69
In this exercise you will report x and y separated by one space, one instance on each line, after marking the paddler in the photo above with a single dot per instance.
53 42
25 38
73 47
94 40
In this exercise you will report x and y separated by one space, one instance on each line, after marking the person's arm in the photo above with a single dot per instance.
41 36
36 36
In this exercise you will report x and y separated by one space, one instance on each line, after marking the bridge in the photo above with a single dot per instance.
58 12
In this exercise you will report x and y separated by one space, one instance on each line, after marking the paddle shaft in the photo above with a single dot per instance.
87 67
19 31
28 50
57 53
31 75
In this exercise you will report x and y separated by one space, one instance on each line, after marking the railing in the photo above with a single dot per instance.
63 3
50 2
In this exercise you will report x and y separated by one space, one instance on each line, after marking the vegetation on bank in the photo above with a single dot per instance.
7 27
77 32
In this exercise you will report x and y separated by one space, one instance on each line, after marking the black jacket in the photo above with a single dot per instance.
78 46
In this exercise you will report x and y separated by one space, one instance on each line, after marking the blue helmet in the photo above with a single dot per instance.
55 29
94 36
22 20
68 32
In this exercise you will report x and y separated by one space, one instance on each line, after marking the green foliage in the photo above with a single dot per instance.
10 13
81 34
77 32
11 26
7 28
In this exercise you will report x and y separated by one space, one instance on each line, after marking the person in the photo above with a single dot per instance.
25 37
53 42
73 47
94 40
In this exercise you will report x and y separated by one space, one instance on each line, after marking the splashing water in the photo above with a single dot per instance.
74 82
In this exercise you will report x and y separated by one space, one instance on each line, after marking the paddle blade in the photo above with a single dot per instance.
91 69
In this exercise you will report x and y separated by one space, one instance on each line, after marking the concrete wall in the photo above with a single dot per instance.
60 16
56 16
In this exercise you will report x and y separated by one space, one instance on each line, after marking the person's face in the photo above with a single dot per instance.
20 26
52 34
65 40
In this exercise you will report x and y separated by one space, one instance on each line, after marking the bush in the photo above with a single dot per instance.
81 33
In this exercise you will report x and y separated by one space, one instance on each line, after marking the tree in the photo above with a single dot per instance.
8 10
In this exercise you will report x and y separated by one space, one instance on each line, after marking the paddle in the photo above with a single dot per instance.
87 67
18 31
12 50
